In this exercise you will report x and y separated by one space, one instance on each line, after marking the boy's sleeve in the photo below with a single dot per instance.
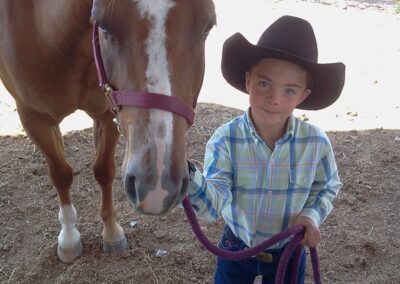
210 192
324 189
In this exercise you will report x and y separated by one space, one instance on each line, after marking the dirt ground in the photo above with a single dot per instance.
361 238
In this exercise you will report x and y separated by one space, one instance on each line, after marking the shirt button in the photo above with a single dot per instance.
305 180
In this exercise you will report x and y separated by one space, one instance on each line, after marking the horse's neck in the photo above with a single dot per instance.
64 9
63 26
60 20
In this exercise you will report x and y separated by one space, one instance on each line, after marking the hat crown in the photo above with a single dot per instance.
291 35
291 39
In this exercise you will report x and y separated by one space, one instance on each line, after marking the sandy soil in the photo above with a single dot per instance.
361 238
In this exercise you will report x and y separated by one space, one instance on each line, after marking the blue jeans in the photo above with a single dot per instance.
245 271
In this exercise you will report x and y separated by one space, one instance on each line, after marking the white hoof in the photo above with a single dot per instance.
70 253
69 240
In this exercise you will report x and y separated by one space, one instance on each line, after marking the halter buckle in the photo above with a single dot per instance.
108 90
116 122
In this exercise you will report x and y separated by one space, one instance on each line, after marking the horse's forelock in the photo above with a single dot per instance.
154 8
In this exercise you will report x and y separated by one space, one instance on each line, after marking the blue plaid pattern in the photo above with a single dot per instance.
260 192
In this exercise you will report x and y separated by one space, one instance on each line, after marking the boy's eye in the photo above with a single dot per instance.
290 92
263 84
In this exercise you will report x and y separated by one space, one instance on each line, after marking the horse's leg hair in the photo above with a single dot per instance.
45 133
106 137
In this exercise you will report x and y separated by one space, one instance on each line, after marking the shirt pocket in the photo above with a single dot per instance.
303 175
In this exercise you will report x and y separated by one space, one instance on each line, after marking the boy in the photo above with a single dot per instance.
266 170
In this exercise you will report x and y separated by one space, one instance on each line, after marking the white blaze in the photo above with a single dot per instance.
157 73
158 81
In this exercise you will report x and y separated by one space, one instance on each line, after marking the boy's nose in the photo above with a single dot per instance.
273 97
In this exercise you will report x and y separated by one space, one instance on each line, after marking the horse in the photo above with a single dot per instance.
152 47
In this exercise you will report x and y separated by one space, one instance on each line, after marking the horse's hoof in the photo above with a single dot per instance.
69 254
117 247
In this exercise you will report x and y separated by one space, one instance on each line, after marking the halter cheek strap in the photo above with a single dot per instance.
133 98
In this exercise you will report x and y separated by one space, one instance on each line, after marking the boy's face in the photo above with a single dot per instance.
275 88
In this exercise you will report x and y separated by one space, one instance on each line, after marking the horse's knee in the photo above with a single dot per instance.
61 176
103 173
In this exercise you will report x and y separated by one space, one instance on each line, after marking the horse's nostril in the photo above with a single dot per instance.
130 187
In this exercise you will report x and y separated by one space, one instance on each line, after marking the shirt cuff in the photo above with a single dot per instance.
312 214
196 180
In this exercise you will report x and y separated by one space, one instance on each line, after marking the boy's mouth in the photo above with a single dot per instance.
270 111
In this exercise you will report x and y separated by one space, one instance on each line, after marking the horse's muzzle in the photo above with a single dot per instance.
155 200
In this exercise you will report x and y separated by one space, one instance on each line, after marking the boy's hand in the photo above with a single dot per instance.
312 235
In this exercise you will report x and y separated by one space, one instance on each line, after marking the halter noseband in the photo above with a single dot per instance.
134 98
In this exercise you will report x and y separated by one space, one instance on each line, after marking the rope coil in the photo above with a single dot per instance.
293 246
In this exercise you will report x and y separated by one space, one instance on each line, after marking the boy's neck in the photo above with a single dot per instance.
271 134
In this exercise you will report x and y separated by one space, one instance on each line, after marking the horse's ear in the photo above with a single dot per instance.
214 16
215 20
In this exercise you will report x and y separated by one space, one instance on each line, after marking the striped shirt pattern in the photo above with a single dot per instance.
260 192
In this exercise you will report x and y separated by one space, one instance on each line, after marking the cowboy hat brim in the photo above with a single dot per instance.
239 55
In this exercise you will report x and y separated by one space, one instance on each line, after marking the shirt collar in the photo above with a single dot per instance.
289 133
290 129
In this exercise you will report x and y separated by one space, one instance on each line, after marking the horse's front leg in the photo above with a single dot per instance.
45 133
106 137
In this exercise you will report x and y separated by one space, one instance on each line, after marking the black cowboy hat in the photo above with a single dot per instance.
292 39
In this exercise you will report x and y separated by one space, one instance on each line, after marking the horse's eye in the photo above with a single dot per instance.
103 30
102 27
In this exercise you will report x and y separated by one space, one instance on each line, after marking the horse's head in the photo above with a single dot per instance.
154 46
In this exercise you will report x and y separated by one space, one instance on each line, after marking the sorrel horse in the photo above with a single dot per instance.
149 46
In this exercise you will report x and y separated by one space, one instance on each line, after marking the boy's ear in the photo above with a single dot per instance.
306 93
248 82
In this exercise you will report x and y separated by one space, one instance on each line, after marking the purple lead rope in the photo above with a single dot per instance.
292 246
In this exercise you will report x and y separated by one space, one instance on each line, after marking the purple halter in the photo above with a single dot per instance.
134 98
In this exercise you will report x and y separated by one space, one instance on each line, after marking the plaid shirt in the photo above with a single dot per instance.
260 192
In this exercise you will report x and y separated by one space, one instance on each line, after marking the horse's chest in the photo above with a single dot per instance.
62 100
54 104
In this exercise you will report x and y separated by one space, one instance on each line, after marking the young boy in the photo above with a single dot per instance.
266 170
